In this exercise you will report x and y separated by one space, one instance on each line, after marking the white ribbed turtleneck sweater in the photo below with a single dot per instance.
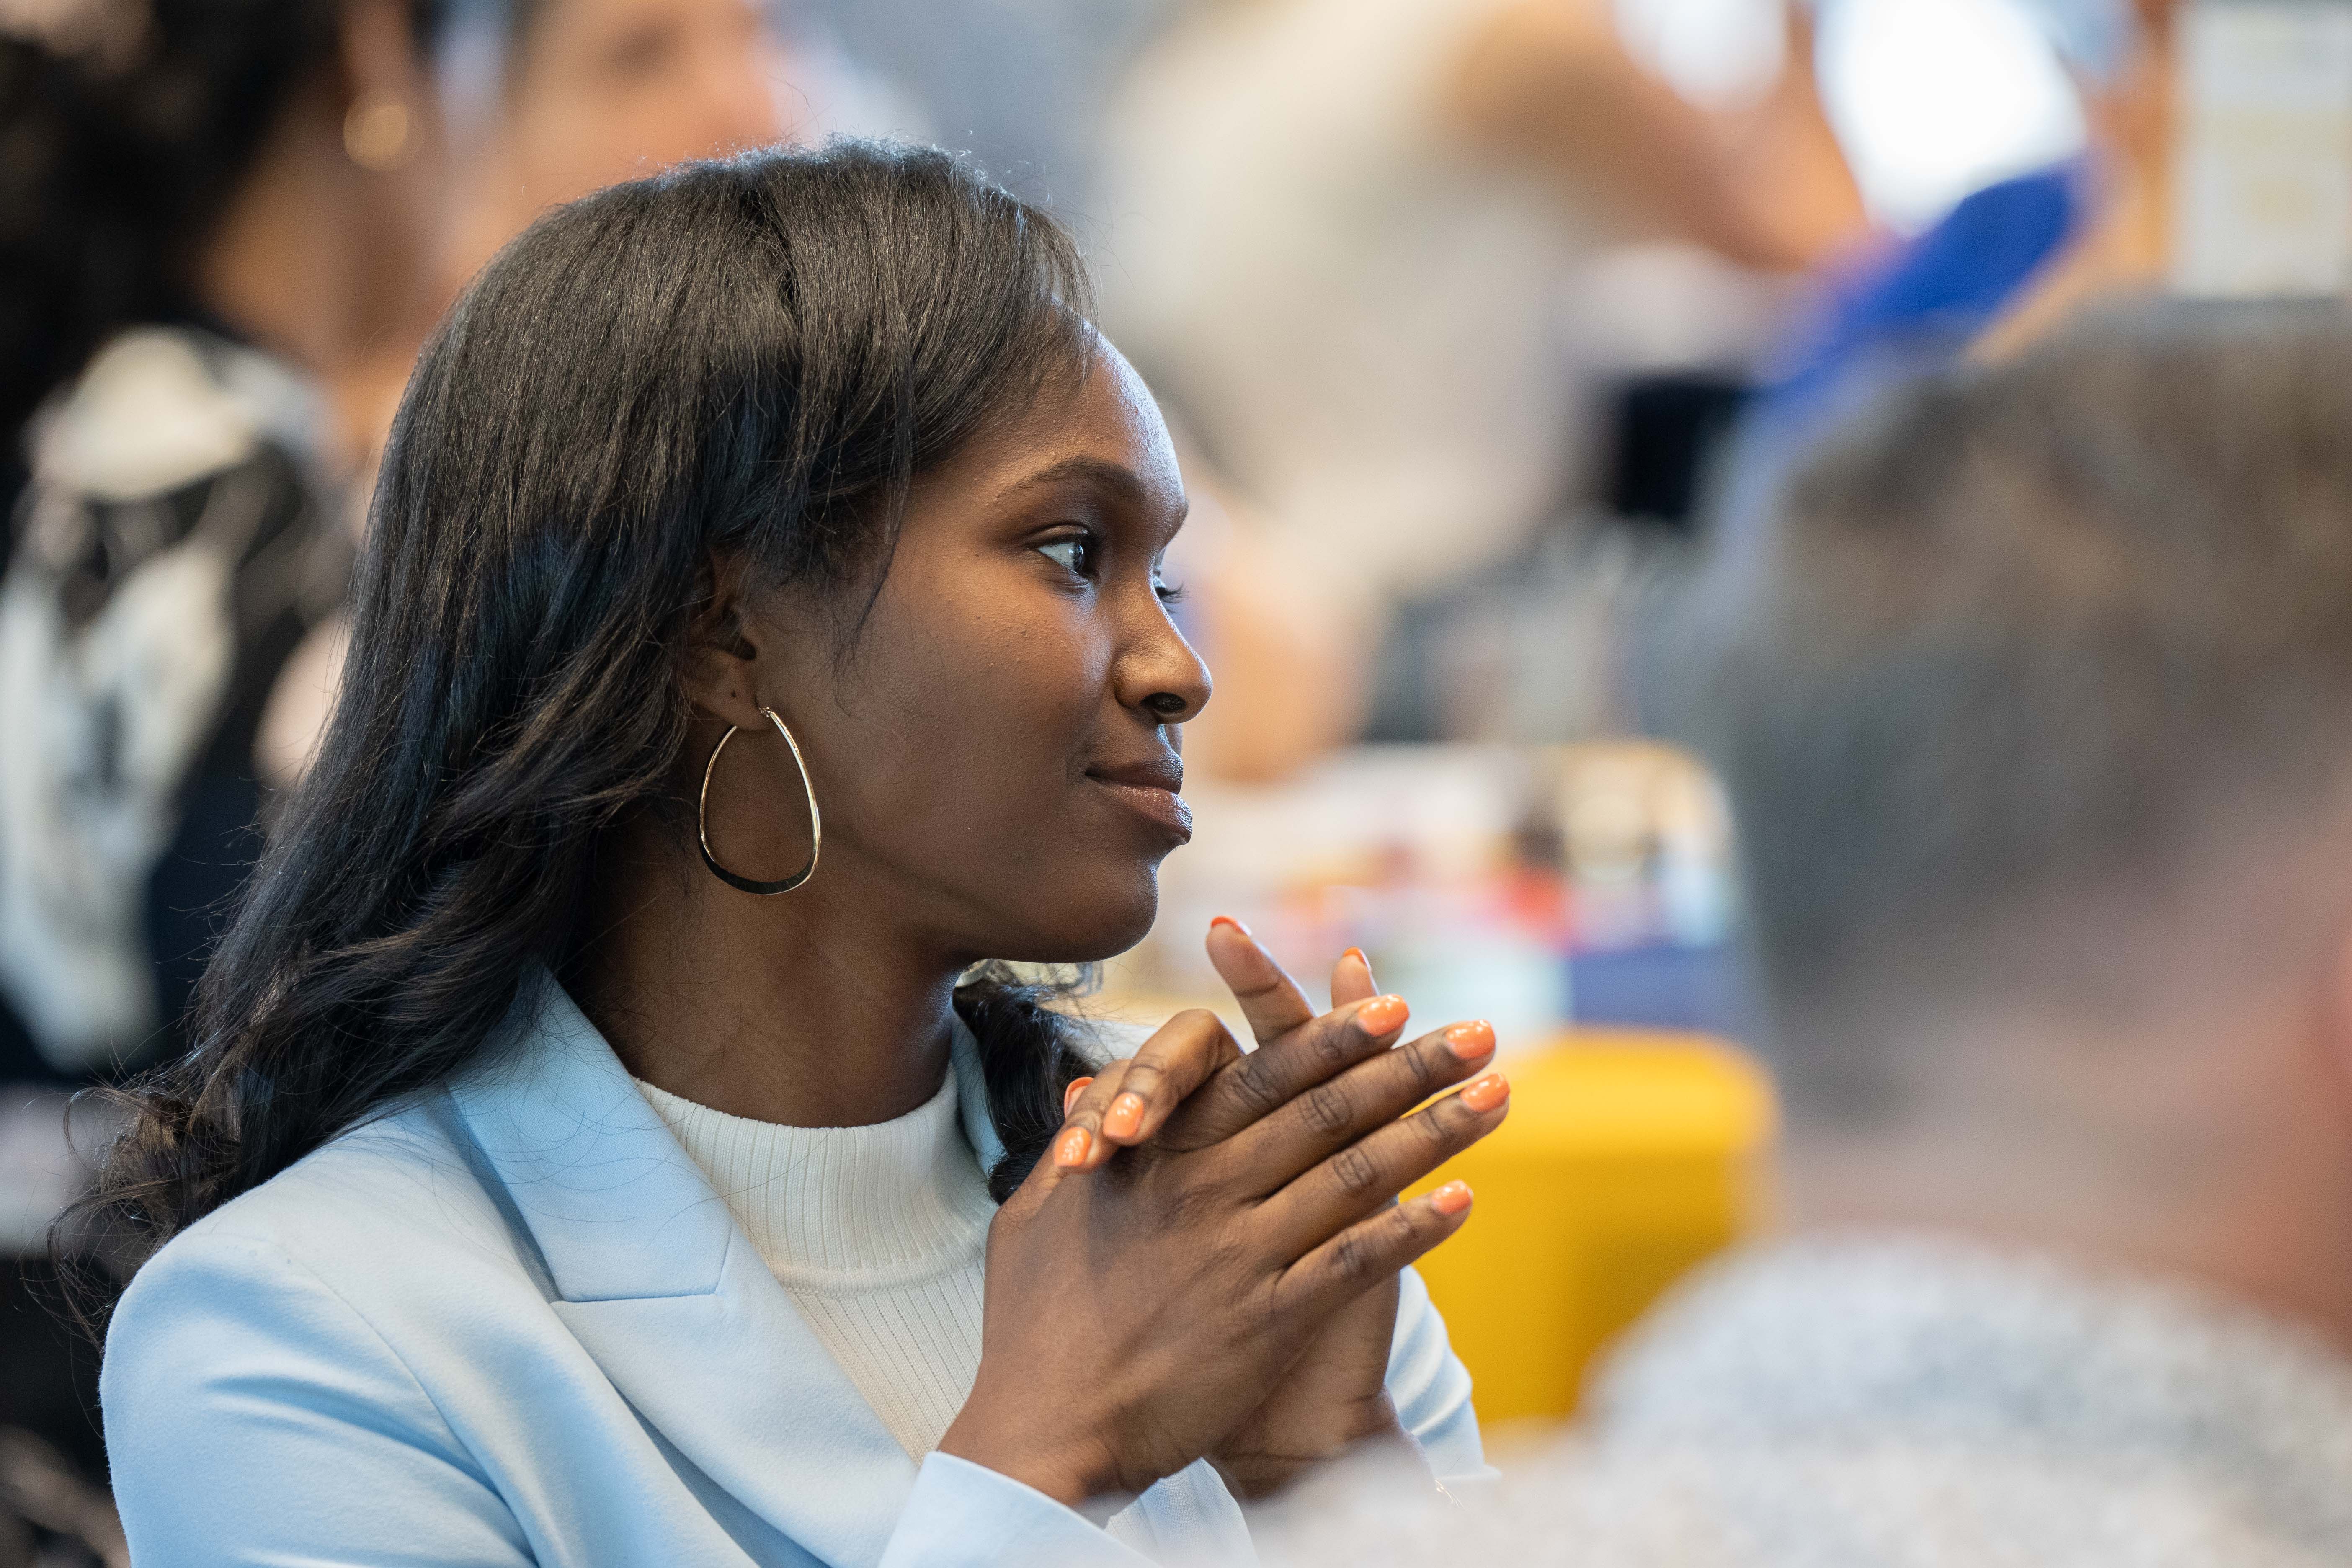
877 1233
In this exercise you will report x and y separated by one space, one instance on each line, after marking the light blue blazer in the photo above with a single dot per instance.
511 1323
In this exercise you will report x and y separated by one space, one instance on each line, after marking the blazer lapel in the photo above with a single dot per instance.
659 1284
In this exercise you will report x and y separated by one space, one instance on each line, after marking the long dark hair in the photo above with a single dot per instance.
750 358
126 129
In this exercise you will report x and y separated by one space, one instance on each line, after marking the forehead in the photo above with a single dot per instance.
1107 420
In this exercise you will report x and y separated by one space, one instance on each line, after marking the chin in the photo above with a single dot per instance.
1109 916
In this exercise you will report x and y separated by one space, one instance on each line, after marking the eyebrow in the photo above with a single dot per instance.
1116 478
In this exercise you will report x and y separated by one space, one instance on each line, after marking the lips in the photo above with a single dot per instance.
1148 788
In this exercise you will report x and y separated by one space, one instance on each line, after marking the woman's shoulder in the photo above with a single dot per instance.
286 1366
388 1220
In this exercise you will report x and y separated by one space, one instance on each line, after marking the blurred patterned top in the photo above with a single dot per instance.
1912 1402
180 539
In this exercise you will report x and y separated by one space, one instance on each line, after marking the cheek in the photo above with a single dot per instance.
953 766
971 733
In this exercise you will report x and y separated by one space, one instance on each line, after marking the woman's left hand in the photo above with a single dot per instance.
1335 1395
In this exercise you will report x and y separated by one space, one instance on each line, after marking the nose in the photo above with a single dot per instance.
1158 673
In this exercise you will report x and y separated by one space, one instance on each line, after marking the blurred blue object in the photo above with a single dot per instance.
1930 300
1664 986
1905 313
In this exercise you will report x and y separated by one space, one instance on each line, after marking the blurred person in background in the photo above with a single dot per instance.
589 92
1019 85
1344 241
2034 715
206 207
550 99
554 99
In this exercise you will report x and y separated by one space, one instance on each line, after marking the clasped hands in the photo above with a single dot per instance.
1207 1263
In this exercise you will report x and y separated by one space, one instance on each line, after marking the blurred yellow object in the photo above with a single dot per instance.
1628 1157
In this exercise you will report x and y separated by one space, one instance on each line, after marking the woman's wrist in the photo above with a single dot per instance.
1391 1465
1377 1430
1021 1444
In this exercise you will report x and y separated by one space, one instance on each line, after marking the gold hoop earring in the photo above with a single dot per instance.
377 134
808 790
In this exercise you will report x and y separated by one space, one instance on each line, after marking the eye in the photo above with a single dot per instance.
1170 593
1075 554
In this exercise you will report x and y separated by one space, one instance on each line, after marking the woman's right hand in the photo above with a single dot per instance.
1141 1302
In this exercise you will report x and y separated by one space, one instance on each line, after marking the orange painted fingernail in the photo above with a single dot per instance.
1383 1014
1452 1198
1073 1147
1488 1092
1070 1095
1472 1040
1124 1117
1229 920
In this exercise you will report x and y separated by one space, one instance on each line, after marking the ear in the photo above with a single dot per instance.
723 663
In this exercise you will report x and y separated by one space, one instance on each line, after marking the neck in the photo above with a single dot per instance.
814 1008
2230 1166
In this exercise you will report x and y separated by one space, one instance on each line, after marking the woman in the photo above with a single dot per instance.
205 206
760 633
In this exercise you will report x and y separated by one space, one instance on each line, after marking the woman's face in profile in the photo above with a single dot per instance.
996 753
